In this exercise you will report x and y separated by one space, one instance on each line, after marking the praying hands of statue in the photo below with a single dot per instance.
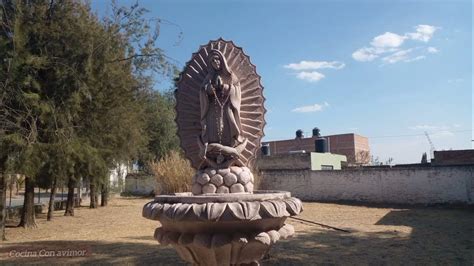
216 85
221 85
209 88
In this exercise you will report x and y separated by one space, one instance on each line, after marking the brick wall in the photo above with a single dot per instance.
456 157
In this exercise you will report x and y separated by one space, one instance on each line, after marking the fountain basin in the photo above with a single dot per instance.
223 229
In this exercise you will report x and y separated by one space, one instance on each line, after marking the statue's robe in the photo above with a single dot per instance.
210 112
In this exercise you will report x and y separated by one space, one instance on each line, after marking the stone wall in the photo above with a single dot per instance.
140 184
410 185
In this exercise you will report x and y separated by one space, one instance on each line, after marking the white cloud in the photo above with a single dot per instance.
397 56
432 128
313 65
423 33
424 127
404 56
313 76
305 67
388 40
432 50
416 58
392 42
364 55
311 108
442 134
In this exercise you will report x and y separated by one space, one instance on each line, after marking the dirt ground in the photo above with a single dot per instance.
378 236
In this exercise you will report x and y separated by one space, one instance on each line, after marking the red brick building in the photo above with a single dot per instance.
354 146
454 157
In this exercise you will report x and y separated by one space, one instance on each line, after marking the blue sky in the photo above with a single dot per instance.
387 70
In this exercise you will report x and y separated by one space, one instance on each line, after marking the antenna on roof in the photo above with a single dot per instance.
432 147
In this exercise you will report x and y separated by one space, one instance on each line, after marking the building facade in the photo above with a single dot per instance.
353 146
454 157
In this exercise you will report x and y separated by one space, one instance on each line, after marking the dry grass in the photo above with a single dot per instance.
173 173
118 234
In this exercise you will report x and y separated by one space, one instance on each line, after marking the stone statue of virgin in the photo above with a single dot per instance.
220 108
220 99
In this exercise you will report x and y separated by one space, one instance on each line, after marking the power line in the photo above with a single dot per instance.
414 135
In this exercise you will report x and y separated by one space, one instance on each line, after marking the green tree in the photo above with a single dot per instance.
161 128
125 58
22 112
72 97
424 158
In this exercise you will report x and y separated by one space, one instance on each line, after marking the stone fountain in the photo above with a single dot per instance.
220 117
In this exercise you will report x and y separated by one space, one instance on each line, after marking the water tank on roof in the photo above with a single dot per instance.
316 132
321 145
266 149
299 134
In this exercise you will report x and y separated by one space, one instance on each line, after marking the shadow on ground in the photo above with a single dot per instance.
441 237
403 236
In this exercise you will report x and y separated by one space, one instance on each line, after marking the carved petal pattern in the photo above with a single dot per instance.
294 206
178 211
213 211
252 210
275 208
156 210
199 210
245 210
238 247
171 211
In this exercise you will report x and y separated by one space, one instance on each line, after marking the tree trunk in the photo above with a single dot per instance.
28 212
104 198
70 198
3 202
79 193
39 195
93 196
10 188
17 185
51 200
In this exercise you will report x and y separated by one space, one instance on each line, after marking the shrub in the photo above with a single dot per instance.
173 174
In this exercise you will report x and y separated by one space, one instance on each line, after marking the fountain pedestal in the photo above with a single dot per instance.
220 117
223 229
